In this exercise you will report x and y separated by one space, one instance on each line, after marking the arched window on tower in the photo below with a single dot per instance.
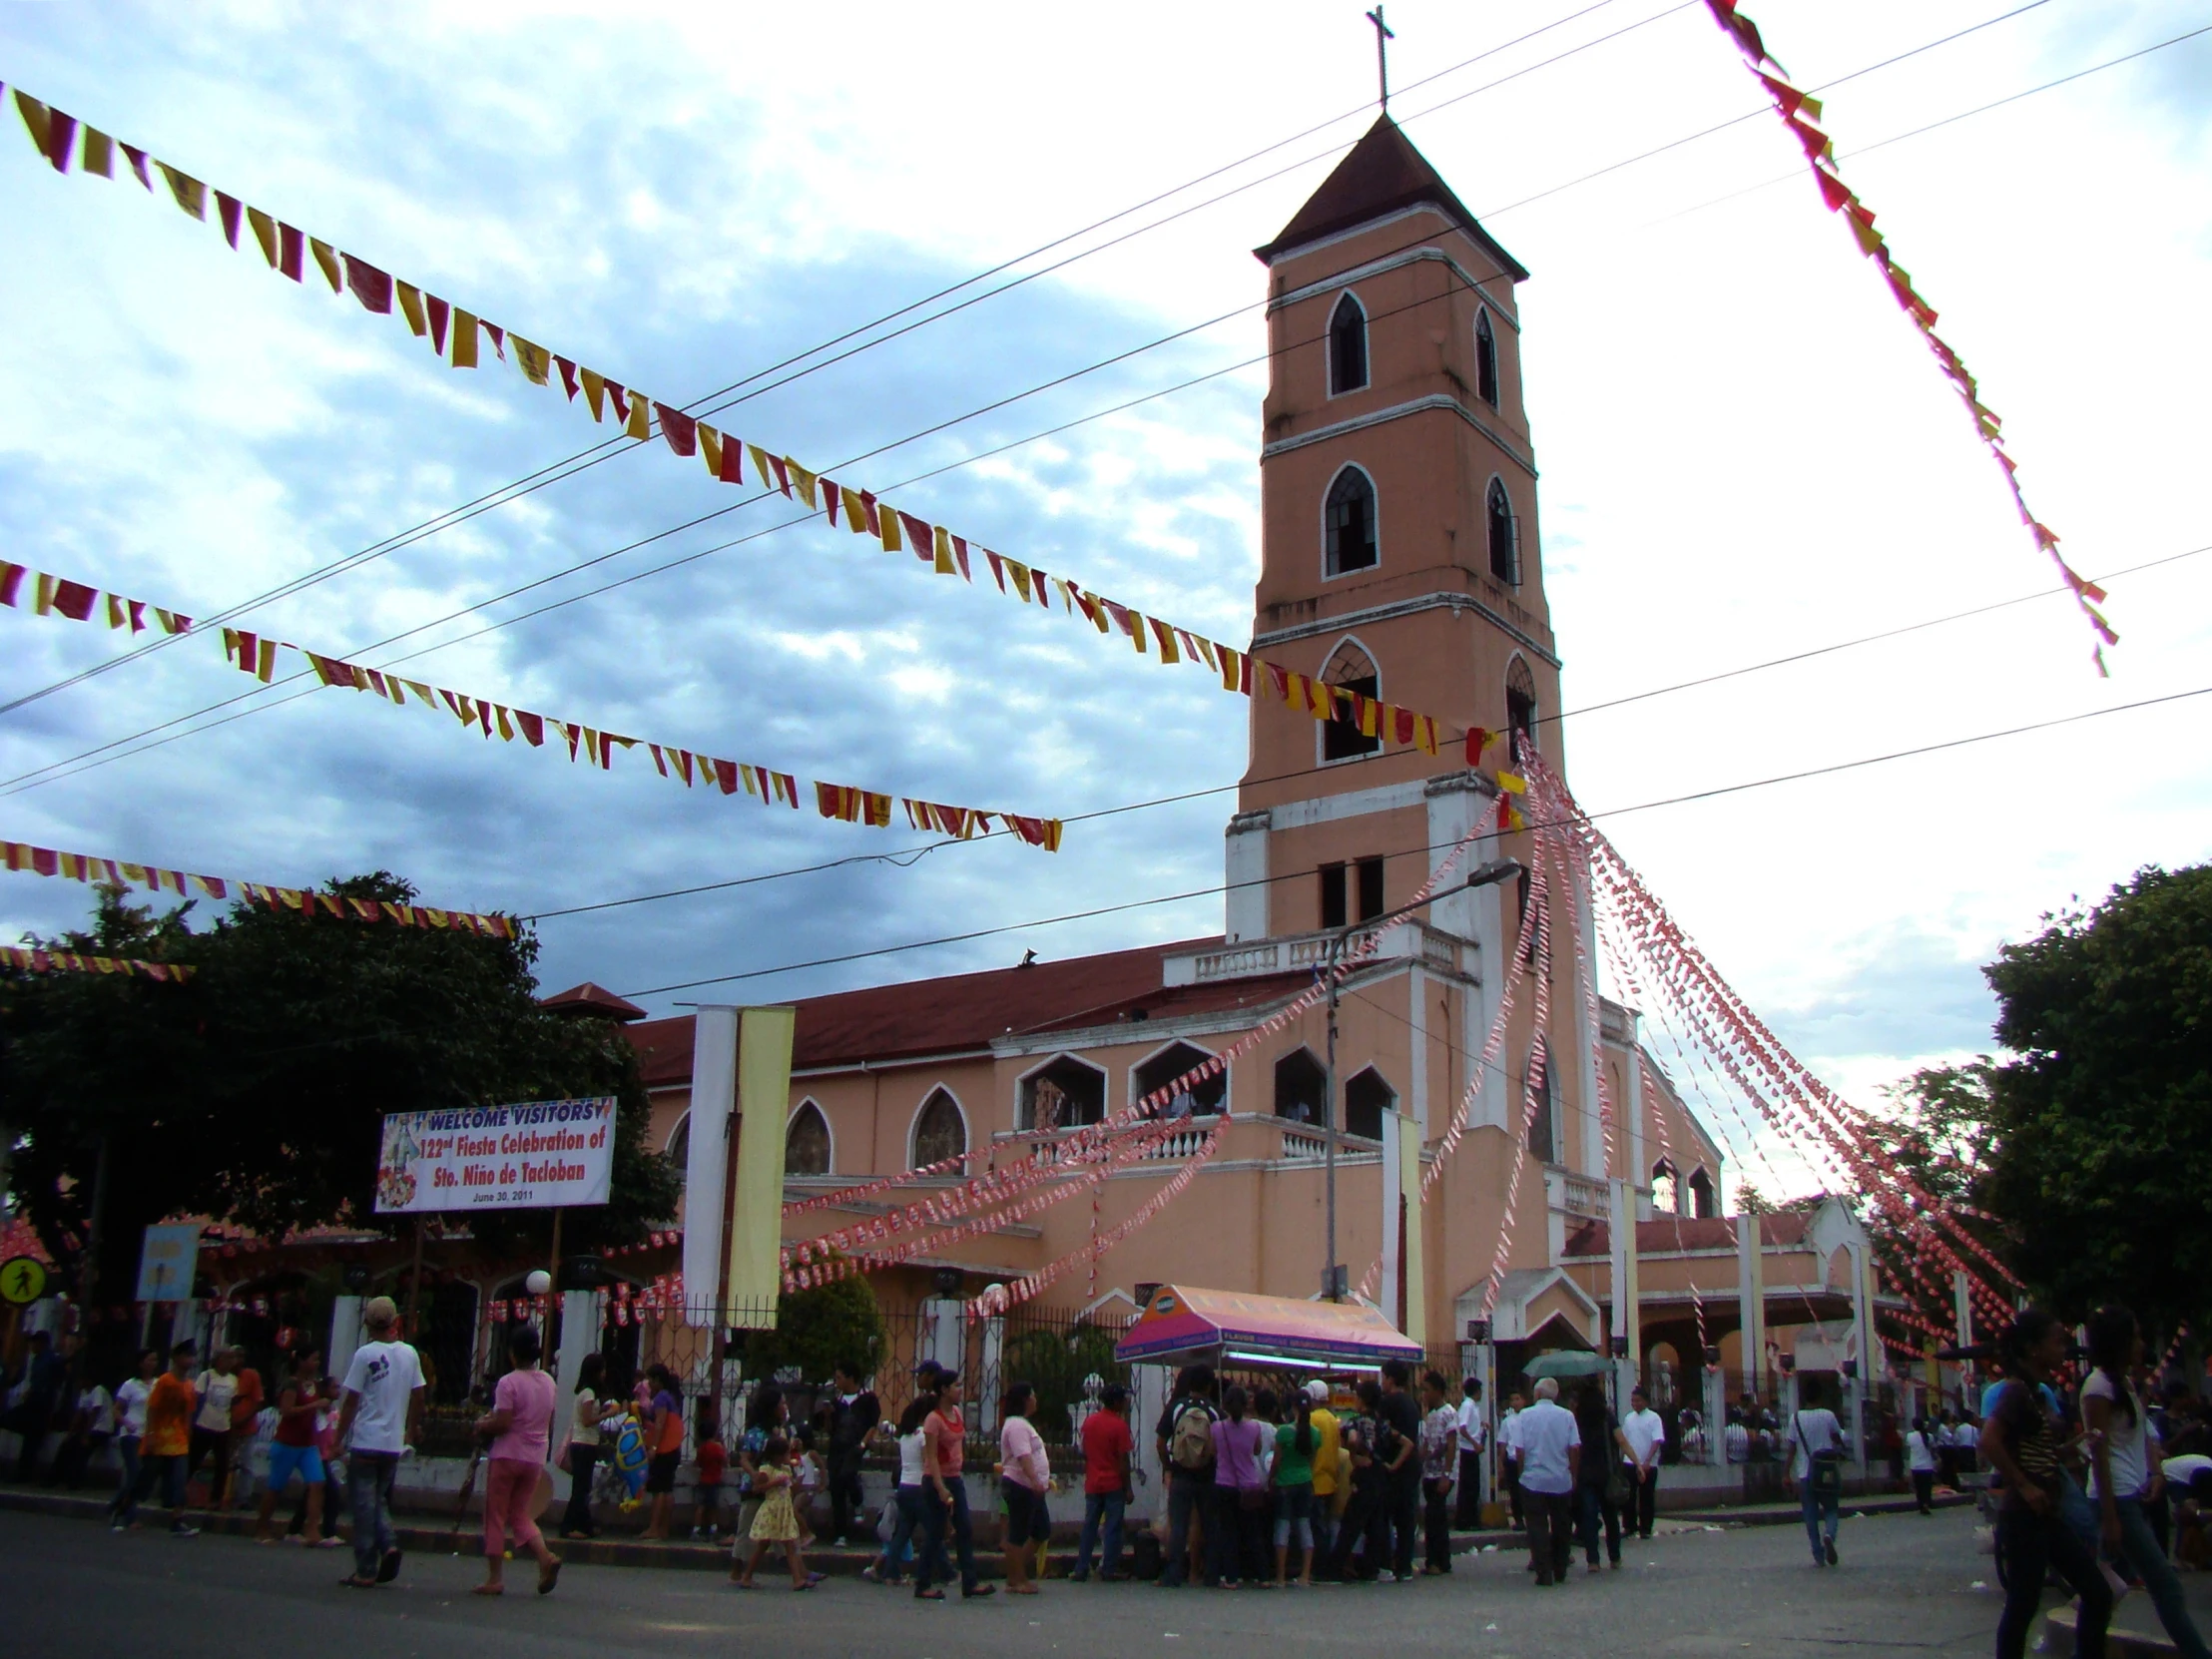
1347 347
1543 1124
939 1130
1521 700
1354 670
1504 534
1666 1191
1485 358
807 1142
1349 522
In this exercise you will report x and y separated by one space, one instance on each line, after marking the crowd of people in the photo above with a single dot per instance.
2093 1473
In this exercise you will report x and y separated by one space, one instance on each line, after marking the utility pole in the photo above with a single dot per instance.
1334 1280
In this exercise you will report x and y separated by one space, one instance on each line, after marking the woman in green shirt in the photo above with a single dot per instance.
1294 1445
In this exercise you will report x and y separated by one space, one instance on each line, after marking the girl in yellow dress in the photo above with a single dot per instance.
778 1521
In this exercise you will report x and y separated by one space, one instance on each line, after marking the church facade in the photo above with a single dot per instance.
1401 559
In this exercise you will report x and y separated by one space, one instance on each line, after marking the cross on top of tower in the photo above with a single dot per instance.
1383 33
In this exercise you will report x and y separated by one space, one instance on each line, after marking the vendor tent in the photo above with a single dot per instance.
1185 1325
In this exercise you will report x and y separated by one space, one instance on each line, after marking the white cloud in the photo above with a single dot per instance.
1745 452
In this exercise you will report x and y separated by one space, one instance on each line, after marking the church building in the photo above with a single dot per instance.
1401 559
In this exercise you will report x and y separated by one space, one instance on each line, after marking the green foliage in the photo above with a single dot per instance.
819 1328
254 1093
1940 1127
1054 1362
2102 1134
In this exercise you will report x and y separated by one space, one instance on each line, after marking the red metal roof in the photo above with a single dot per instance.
964 1012
589 998
1382 174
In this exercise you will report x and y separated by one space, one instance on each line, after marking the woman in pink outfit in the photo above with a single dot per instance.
521 1419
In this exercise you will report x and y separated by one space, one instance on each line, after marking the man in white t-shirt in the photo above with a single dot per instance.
1508 1454
384 1405
1469 1441
1816 1447
1550 1444
1642 1436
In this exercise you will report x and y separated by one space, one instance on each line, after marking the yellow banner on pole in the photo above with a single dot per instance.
756 1274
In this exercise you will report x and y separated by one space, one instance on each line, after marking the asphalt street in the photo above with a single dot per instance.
1906 1582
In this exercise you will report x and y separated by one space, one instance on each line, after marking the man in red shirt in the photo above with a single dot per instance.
1107 1445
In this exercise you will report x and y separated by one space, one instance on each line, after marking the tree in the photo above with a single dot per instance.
819 1330
254 1093
2101 1153
1942 1130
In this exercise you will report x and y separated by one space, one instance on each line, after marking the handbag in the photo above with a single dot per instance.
560 1458
1616 1487
1824 1471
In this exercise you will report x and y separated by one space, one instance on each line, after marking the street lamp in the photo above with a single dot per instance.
1335 1280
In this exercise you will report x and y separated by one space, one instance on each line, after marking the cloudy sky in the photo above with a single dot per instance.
1746 453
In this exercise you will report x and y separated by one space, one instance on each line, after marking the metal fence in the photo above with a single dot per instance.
720 1363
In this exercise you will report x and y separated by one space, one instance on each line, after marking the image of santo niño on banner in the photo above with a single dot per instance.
537 1155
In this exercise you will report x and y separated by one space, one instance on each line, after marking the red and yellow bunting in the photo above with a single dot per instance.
28 959
90 867
257 654
455 335
1801 114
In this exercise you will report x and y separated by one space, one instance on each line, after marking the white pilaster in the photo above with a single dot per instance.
1245 874
1416 996
1592 1161
1631 1116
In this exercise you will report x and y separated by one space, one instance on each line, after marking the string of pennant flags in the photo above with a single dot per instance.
455 335
1801 114
257 654
91 867
31 959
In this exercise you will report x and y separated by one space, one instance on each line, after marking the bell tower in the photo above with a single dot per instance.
1399 547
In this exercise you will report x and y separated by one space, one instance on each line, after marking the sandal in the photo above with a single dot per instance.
805 1584
549 1576
354 1581
929 1596
489 1590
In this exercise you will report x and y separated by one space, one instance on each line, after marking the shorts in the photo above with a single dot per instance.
287 1461
1026 1518
709 1495
660 1473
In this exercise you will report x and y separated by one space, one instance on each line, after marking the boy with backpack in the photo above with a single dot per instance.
1185 1443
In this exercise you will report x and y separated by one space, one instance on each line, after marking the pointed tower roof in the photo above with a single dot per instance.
589 998
1383 174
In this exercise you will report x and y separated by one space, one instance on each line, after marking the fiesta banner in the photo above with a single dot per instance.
86 867
257 654
537 1155
31 959
456 334
1801 113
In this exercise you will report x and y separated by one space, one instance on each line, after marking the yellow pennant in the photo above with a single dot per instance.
595 390
327 257
190 193
710 449
264 233
410 302
464 338
535 362
99 153
943 549
641 417
806 483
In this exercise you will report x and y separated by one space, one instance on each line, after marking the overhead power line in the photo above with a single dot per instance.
722 398
1422 850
